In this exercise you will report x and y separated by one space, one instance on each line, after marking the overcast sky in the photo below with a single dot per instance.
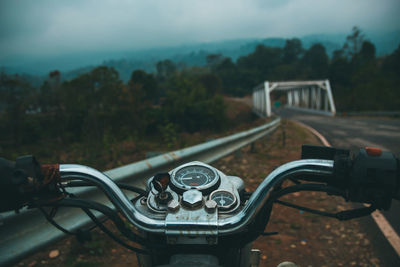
45 27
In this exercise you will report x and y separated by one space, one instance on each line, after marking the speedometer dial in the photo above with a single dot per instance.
194 177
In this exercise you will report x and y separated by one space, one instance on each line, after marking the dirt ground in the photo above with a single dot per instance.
304 238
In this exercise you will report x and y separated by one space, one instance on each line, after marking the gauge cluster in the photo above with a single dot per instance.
193 187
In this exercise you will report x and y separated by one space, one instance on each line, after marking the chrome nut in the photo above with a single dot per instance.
192 199
173 205
210 206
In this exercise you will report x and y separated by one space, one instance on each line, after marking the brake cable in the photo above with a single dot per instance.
110 234
85 205
81 235
342 215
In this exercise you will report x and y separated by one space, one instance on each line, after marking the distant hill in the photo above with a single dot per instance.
188 55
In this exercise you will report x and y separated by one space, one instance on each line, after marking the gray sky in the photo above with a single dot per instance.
49 27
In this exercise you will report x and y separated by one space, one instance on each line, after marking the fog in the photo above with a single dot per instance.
45 28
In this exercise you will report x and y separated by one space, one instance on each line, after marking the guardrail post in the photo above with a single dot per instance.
252 147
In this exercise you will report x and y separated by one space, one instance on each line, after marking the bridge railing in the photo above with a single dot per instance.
310 96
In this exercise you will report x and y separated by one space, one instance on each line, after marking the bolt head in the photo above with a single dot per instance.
143 201
211 206
192 198
173 205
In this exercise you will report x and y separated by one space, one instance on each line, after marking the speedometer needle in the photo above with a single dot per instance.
186 178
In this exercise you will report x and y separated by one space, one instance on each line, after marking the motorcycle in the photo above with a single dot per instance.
195 213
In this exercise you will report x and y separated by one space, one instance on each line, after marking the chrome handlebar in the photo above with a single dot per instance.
225 226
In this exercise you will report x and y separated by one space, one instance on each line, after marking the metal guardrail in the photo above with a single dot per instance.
27 232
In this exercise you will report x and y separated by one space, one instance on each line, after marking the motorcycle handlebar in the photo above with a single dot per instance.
370 177
310 167
352 177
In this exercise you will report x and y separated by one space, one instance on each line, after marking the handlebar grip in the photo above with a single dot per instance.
370 176
9 195
25 181
373 177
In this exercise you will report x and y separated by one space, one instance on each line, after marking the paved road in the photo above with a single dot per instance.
353 133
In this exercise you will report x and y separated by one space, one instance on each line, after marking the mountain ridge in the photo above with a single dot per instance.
72 65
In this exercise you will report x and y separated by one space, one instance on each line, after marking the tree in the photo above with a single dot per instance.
292 50
165 68
226 64
190 106
257 66
391 64
353 42
368 51
91 102
214 59
144 87
317 60
17 98
211 82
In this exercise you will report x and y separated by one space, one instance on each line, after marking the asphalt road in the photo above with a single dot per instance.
353 133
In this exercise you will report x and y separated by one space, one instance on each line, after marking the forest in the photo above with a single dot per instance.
97 108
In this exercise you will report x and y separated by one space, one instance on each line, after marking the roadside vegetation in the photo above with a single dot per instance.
93 114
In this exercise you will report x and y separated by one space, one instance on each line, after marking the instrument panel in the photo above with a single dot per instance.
194 186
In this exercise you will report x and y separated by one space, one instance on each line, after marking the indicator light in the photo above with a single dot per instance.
373 151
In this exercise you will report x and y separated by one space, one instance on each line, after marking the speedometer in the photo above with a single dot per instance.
196 176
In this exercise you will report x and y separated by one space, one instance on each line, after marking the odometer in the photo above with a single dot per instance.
194 177
225 199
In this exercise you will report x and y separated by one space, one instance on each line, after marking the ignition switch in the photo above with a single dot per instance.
160 183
